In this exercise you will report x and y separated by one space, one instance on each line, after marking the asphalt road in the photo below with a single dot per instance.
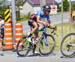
10 56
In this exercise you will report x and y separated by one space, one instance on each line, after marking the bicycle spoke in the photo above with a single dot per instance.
47 48
68 45
23 47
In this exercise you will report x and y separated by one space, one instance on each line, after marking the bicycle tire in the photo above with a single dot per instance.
22 47
52 49
62 44
74 18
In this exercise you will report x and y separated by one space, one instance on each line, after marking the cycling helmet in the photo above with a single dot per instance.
0 16
46 8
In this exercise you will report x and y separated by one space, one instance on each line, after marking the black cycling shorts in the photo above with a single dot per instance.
30 23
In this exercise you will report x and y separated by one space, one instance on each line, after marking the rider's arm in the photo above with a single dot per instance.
39 13
39 20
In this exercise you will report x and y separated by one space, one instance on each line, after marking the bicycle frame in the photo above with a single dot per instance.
31 45
43 34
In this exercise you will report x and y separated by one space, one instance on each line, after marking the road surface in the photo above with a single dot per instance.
10 56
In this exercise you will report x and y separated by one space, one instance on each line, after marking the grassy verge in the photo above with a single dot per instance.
66 30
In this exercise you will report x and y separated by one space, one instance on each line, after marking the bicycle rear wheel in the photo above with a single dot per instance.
68 45
23 47
46 50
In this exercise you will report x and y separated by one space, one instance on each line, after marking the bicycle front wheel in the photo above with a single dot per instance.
68 45
23 47
47 49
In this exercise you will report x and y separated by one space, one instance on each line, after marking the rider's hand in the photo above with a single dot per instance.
55 28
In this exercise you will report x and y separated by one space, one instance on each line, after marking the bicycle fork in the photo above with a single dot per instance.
45 39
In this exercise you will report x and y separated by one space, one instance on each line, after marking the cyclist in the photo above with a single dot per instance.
2 26
42 17
34 27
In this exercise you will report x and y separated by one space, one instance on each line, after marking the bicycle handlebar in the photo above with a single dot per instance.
53 31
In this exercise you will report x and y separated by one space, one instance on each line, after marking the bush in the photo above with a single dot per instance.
73 6
1 11
23 18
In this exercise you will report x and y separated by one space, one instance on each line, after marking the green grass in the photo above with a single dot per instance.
66 30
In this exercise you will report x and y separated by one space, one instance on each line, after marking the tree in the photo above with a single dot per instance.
1 1
73 7
65 5
18 4
2 6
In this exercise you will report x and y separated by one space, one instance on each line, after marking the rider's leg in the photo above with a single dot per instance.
45 38
2 33
36 36
34 48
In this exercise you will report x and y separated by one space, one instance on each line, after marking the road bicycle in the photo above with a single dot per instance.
24 47
68 45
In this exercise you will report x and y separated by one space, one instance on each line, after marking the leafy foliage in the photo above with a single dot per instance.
65 5
73 6
19 2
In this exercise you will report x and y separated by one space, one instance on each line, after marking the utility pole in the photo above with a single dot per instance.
13 18
70 9
70 18
62 20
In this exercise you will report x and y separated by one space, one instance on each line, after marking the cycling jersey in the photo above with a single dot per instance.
42 16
